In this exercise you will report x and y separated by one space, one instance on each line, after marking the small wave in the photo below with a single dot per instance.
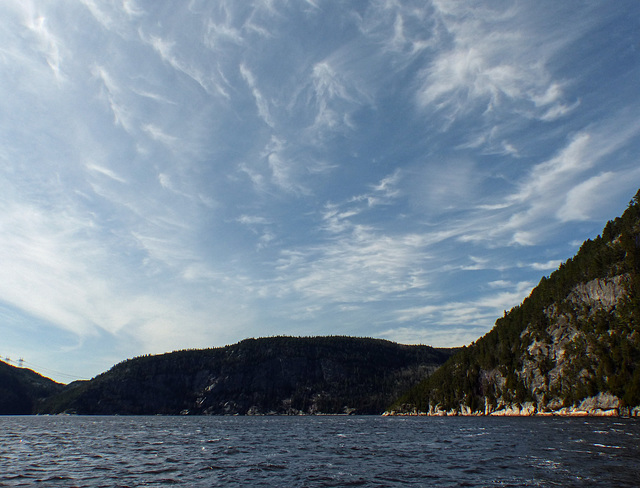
57 478
607 446
160 471
268 467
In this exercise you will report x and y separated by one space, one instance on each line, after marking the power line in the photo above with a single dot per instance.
20 364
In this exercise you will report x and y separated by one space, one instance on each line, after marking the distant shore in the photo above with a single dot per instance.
516 412
600 405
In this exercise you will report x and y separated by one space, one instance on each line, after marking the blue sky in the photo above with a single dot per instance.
188 174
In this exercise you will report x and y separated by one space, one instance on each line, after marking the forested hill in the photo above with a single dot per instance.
572 346
21 390
278 375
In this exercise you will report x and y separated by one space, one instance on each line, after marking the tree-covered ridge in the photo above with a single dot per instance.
575 338
281 375
21 390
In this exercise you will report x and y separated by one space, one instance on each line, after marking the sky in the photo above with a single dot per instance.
188 174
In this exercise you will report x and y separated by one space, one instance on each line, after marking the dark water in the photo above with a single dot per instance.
318 451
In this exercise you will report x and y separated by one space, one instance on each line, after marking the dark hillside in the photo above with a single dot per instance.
572 346
21 390
281 375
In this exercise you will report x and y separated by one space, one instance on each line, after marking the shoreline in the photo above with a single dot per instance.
565 412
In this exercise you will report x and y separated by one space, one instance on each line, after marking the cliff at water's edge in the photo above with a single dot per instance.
571 348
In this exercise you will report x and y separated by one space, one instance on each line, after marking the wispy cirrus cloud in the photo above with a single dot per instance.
48 44
187 176
403 30
106 172
209 80
112 94
113 16
572 184
157 134
469 317
491 67
261 103
361 267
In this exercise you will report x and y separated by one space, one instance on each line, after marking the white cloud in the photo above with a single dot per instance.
388 186
98 13
44 258
434 337
261 103
546 177
550 193
333 90
488 65
266 239
207 80
558 110
479 313
580 202
506 299
49 44
84 285
256 178
218 33
549 265
337 217
359 266
106 172
165 181
500 284
157 134
131 8
285 172
112 93
252 220
326 84
403 30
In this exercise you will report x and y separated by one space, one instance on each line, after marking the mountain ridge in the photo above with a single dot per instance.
571 348
22 390
275 375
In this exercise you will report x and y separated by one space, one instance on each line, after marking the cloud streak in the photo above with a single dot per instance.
188 177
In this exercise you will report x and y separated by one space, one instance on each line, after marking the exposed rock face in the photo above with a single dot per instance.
557 361
571 348
600 293
566 343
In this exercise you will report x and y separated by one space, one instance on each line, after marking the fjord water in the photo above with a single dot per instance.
318 451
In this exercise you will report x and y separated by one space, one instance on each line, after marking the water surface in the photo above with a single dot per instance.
318 451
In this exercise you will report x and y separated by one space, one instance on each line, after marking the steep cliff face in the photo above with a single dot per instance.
571 348
574 345
280 375
572 365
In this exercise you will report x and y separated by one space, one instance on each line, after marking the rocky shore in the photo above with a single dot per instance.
601 405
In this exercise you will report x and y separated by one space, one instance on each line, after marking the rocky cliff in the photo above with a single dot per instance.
571 348
278 375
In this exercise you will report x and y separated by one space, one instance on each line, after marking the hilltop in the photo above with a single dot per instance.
276 375
22 390
571 348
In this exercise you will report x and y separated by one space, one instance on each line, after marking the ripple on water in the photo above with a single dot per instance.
316 452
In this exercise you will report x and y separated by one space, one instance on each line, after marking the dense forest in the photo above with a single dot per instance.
575 337
276 375
21 390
